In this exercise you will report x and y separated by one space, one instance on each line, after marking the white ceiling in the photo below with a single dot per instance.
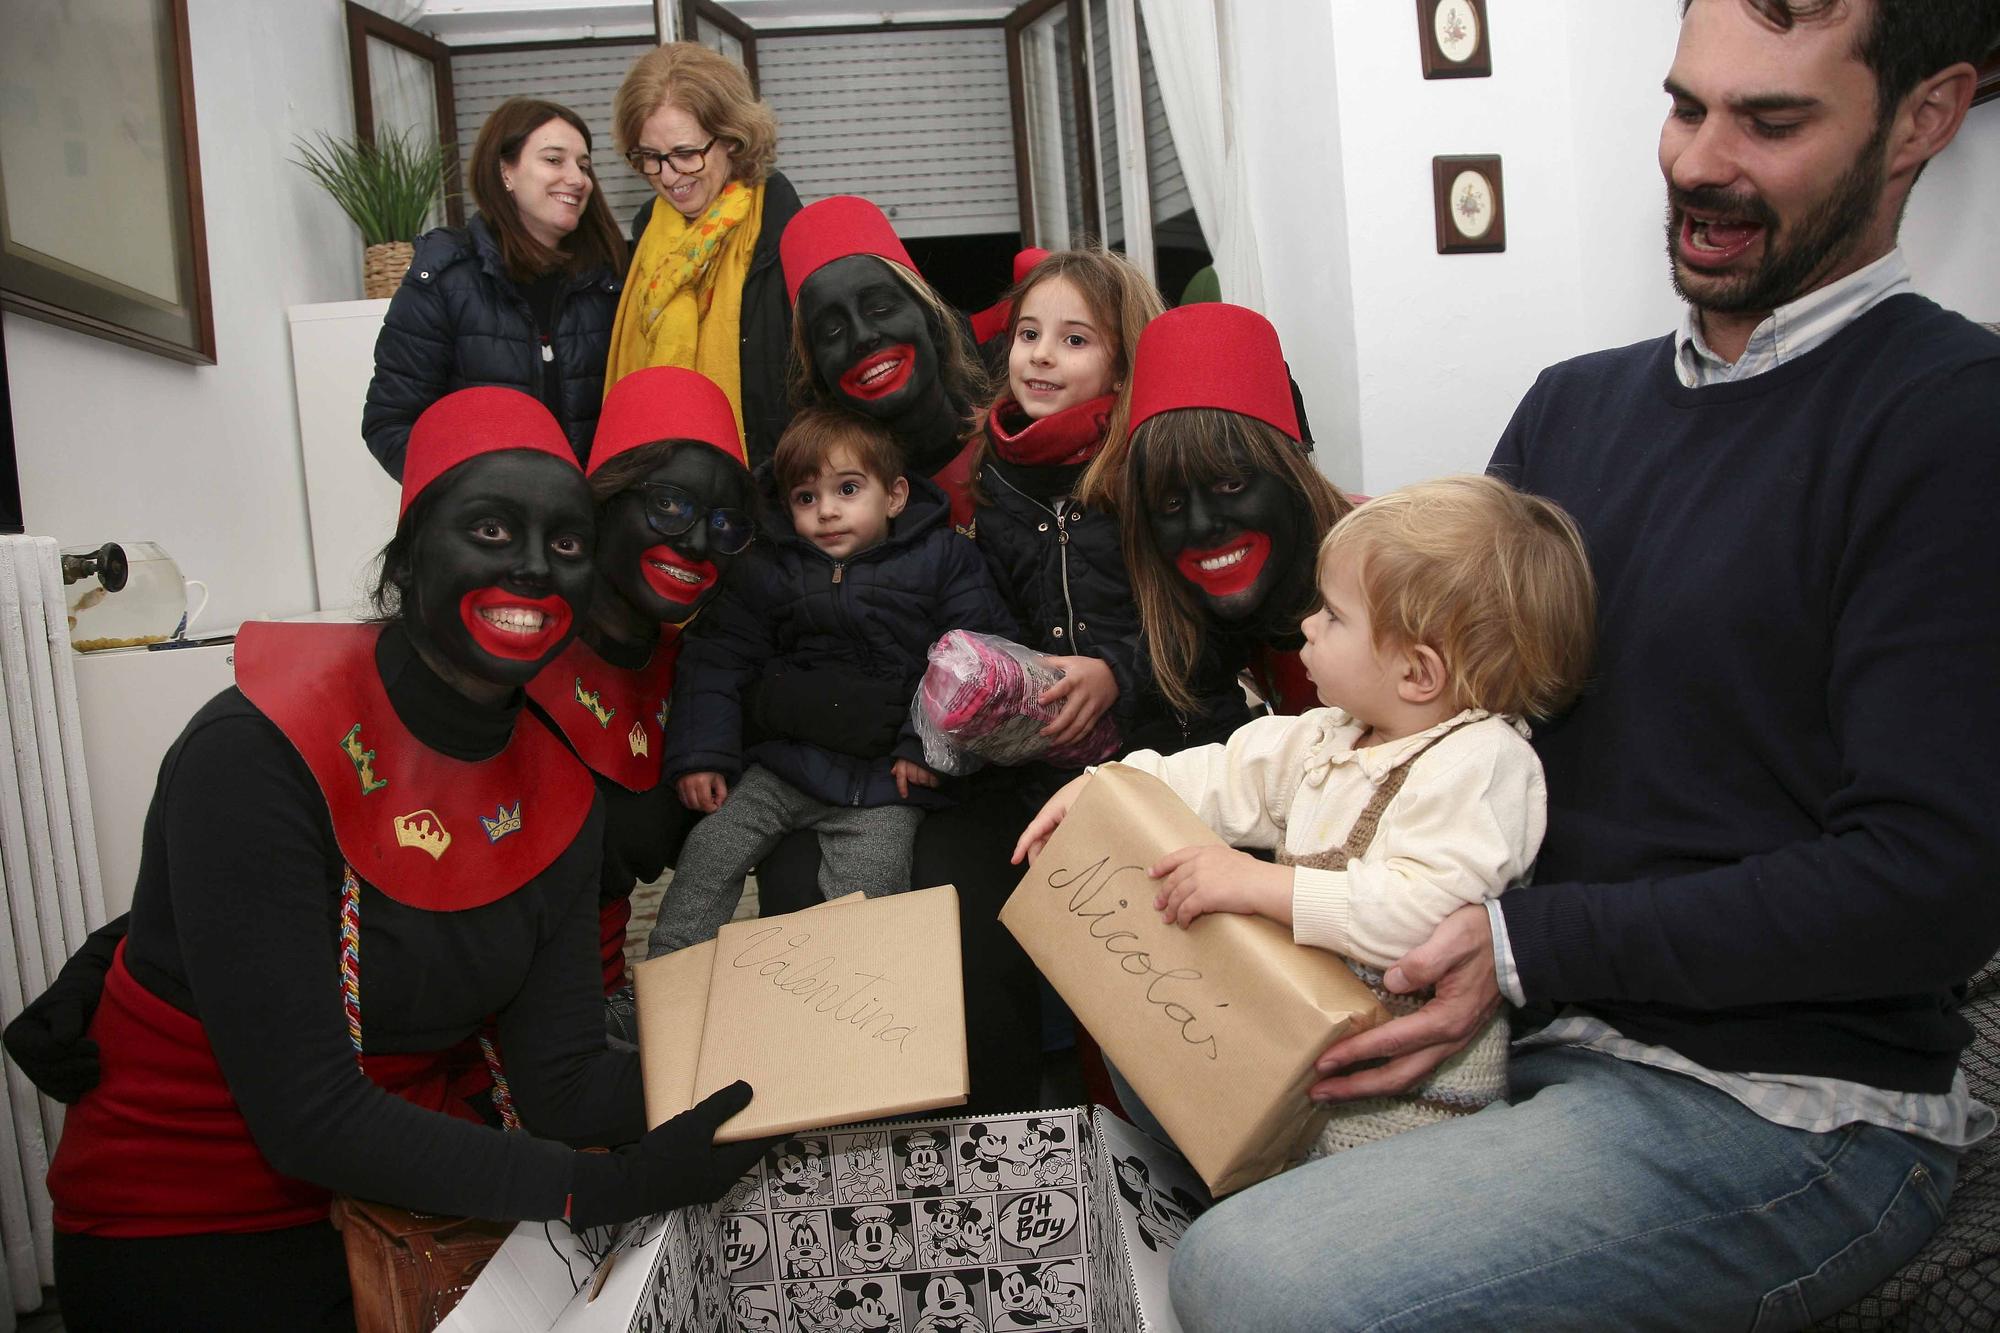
486 22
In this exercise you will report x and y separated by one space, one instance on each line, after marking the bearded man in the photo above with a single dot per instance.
1772 838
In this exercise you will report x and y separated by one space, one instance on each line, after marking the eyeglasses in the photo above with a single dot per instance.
671 511
686 161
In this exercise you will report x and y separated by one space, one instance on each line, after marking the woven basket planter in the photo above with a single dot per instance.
383 266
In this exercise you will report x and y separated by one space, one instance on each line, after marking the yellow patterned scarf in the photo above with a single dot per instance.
683 300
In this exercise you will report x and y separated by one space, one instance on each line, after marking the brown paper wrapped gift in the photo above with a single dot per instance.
1216 1026
845 1011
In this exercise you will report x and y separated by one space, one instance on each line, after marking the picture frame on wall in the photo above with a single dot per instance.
1469 203
101 224
1452 36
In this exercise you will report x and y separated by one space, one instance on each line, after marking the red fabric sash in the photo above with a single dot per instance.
1073 435
1281 678
614 719
430 831
612 918
158 1147
955 479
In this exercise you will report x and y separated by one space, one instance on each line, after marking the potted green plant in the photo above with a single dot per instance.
388 188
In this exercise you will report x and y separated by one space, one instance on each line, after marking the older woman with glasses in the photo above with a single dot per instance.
705 291
521 297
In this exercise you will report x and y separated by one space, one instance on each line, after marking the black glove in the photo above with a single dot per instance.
48 1040
835 710
679 1163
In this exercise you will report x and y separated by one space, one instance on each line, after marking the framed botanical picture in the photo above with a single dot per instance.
101 225
1471 210
1452 35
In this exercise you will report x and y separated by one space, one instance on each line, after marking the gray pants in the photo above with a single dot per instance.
860 847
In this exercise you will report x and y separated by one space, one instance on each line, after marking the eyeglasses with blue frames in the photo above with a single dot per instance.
686 161
671 511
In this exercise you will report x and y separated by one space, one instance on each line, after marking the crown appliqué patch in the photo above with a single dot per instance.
594 704
423 830
504 822
363 761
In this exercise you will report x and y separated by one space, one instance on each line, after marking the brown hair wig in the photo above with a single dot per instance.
959 367
1190 447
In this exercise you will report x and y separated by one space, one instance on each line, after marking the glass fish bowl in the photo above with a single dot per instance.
147 605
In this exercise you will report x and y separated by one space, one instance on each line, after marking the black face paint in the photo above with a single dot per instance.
1236 538
500 572
667 578
870 338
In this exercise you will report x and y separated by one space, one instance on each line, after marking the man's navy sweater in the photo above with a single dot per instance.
1774 817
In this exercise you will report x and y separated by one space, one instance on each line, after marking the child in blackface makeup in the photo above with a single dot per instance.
1449 612
864 573
1076 318
1222 507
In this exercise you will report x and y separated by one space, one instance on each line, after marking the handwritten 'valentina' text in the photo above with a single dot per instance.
786 966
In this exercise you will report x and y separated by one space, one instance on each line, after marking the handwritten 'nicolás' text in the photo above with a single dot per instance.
1093 900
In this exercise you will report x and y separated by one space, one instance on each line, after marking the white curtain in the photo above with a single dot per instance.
1190 43
404 91
1045 88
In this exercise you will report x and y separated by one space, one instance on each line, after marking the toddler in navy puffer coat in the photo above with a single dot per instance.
864 571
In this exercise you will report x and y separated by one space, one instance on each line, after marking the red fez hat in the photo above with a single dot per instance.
1213 355
471 422
995 318
833 229
665 403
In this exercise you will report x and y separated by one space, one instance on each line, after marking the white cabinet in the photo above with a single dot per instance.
351 501
134 702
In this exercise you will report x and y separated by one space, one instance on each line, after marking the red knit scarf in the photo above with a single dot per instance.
1073 435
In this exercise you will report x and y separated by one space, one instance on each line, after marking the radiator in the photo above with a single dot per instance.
48 875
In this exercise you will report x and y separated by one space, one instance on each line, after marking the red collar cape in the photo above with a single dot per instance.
1073 435
955 478
614 719
432 832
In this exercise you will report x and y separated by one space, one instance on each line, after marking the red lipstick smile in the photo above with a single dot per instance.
1227 569
880 374
509 625
673 576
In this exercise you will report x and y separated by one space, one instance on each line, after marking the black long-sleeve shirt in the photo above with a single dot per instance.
236 920
1772 837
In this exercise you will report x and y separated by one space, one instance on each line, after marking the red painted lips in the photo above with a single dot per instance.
1227 569
683 581
505 624
880 374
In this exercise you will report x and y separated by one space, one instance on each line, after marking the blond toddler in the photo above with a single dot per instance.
1451 611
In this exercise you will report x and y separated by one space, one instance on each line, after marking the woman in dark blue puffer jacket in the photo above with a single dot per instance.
523 296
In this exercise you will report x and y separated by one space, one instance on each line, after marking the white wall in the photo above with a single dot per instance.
1447 344
119 444
1949 231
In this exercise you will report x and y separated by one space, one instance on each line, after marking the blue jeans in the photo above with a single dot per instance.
1605 1194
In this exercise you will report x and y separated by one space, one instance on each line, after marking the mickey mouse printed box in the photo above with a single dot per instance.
1050 1220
